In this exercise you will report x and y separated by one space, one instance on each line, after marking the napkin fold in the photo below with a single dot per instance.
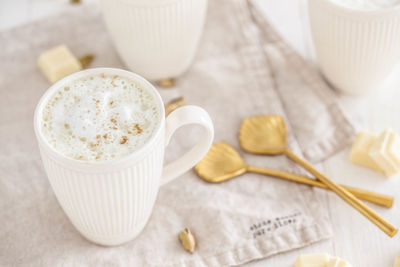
242 68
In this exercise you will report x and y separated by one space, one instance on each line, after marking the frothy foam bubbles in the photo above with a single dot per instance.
99 118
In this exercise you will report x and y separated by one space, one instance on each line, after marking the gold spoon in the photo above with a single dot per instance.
223 163
266 134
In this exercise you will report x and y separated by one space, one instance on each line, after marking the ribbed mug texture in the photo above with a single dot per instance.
356 49
156 39
109 207
108 202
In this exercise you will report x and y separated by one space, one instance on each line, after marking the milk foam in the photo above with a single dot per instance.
99 118
367 4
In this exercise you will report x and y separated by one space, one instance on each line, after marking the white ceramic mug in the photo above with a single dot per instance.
356 49
155 38
110 202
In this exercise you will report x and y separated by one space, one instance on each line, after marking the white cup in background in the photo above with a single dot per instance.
155 38
109 202
356 49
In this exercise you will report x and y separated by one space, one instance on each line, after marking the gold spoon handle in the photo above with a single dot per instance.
384 225
372 197
379 199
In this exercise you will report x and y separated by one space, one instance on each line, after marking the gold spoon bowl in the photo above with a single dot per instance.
263 134
223 163
266 134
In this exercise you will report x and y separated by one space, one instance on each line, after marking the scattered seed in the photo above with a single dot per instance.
187 239
138 129
87 59
123 140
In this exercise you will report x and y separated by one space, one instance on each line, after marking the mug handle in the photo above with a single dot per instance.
183 116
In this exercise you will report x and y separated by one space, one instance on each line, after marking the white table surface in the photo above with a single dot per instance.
355 238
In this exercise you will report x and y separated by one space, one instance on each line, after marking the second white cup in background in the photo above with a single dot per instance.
156 39
356 49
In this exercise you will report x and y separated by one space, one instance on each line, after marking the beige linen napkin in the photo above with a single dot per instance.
242 68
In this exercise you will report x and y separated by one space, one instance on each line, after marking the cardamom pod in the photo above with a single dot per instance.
187 239
86 60
166 83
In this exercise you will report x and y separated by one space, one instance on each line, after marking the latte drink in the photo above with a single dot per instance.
102 135
99 118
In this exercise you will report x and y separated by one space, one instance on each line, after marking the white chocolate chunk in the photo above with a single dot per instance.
394 149
58 62
360 151
338 262
379 152
312 260
397 261
333 262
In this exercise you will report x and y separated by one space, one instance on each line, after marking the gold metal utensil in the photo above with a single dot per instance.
174 104
266 134
223 163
